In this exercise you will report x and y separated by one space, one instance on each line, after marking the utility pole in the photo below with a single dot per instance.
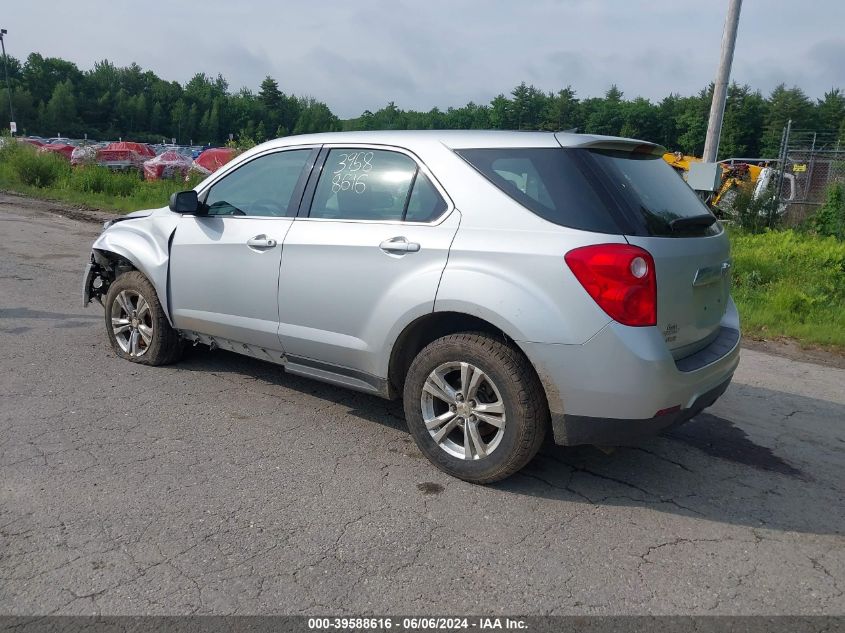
8 85
720 90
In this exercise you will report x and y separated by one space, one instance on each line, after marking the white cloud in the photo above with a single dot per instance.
360 55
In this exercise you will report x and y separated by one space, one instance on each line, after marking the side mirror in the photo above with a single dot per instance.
184 202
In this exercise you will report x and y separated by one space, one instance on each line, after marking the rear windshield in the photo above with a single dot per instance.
593 190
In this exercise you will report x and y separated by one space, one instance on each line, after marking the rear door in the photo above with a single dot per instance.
224 265
366 254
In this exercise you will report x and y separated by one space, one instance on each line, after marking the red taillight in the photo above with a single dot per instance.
620 278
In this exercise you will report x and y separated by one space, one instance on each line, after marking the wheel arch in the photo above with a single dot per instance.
429 327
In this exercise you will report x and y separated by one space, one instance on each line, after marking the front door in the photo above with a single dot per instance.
368 256
224 264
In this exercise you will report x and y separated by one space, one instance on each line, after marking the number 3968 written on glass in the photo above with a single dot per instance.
352 172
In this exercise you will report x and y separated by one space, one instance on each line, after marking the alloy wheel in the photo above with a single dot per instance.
463 410
132 322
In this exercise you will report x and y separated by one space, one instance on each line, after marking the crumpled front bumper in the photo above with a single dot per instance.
87 280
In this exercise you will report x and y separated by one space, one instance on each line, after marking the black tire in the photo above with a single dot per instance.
165 345
525 408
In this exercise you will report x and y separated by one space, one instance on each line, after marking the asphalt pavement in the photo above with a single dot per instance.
222 485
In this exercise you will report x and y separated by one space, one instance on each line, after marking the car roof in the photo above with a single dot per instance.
460 139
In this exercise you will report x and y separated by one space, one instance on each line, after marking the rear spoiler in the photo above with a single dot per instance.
613 143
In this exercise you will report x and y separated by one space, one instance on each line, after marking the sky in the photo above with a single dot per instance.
360 54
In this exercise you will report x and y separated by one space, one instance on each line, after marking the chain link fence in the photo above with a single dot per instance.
811 161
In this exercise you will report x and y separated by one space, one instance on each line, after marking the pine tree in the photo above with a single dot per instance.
786 104
561 111
156 118
831 110
60 113
315 117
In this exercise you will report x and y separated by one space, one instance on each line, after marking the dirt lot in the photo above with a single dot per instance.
222 485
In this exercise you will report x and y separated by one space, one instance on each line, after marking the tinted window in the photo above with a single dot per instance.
426 203
261 187
654 193
594 190
553 183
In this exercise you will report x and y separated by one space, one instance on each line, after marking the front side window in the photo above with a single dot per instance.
379 185
262 187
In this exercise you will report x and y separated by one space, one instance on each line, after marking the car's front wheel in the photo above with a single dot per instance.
136 324
475 407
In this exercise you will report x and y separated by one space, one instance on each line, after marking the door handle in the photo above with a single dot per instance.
399 245
261 241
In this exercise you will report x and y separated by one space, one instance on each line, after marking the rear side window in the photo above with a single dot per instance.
377 185
653 194
426 204
594 190
553 183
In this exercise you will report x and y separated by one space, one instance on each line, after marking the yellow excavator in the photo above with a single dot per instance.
737 174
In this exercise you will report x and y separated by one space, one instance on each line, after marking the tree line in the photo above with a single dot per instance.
51 96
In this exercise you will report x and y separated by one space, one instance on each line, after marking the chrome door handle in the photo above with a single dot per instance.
399 245
261 241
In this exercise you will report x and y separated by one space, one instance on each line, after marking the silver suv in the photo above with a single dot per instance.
506 285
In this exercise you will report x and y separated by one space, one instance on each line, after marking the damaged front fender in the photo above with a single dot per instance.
144 242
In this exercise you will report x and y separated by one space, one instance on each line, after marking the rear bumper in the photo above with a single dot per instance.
612 388
580 429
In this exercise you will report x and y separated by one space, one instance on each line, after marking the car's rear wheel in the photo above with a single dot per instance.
475 407
136 324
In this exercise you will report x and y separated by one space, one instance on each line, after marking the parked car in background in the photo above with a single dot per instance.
503 284
124 156
60 140
37 142
85 154
61 149
213 159
169 164
184 150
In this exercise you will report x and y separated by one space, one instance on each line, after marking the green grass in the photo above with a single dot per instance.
790 284
23 170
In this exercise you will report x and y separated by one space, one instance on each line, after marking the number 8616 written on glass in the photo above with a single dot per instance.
352 172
